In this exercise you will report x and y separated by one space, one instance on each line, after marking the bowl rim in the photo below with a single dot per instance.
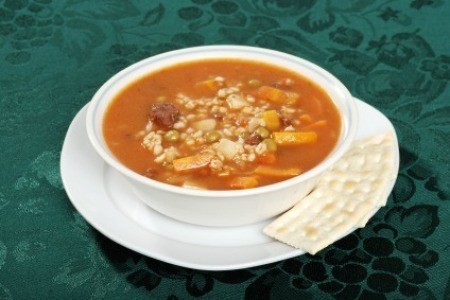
316 170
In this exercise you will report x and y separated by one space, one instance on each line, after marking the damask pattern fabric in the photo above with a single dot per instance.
54 55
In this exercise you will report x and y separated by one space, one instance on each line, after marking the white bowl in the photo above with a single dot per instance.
222 208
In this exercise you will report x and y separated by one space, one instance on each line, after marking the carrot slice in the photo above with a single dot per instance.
287 138
272 120
192 163
277 172
244 182
272 94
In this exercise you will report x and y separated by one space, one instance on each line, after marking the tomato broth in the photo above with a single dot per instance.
221 124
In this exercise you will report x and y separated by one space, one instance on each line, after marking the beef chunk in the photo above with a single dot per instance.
286 122
253 139
164 114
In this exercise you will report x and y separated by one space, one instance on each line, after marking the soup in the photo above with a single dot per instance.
221 124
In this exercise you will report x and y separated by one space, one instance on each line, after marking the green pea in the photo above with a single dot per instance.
254 82
172 136
270 144
212 136
244 135
263 132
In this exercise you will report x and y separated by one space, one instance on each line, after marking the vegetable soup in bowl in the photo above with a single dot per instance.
222 135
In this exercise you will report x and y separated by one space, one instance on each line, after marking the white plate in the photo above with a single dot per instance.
104 199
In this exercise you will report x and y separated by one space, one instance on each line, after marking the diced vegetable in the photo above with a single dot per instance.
212 136
244 182
236 101
316 125
263 132
192 163
272 120
270 144
287 138
272 94
228 148
277 172
205 125
243 135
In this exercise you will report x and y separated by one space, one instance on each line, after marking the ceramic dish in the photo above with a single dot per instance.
104 198
232 207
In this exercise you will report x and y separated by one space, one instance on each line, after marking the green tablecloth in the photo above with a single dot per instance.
55 54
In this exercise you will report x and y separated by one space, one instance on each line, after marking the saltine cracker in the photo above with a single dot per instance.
345 197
